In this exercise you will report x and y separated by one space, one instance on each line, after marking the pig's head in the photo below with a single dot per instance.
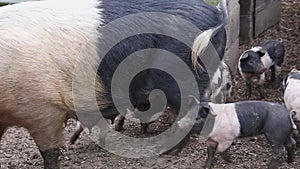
250 62
198 110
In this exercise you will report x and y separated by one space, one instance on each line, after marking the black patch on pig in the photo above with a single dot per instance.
260 53
251 118
295 75
275 49
205 126
197 12
258 117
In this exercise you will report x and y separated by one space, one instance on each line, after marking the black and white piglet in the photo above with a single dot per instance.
254 63
291 92
291 97
226 122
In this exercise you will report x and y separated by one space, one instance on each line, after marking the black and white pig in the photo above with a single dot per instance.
223 123
42 44
291 96
254 63
200 14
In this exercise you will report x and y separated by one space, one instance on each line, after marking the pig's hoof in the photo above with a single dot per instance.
226 157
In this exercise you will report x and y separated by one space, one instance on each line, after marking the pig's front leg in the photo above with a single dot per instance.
226 156
51 158
211 151
248 93
261 91
261 83
273 75
290 146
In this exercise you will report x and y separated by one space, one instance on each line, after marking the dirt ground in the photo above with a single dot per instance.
19 151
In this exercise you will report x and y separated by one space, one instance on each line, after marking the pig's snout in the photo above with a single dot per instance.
260 68
263 70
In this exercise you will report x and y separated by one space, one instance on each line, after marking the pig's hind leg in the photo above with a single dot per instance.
290 146
75 136
273 75
47 133
276 140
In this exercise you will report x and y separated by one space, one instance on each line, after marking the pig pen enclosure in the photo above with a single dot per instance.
19 151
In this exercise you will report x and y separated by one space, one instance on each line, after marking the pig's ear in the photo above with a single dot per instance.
244 56
192 101
294 70
205 106
204 109
261 52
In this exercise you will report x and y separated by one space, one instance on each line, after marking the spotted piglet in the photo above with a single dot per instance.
254 63
223 123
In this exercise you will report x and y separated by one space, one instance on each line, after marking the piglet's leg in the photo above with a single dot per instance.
290 146
277 153
144 127
273 75
226 156
248 84
75 136
2 130
223 147
120 123
211 150
261 91
261 82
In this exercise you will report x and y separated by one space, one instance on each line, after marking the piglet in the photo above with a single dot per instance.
291 96
223 123
253 64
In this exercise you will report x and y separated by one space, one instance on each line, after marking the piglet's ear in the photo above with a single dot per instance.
204 109
244 56
192 101
261 52
205 106
294 70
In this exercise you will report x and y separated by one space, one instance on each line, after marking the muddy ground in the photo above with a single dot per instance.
19 151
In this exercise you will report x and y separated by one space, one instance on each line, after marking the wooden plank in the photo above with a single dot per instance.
267 14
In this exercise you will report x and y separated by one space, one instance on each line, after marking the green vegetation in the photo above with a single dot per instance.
213 2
